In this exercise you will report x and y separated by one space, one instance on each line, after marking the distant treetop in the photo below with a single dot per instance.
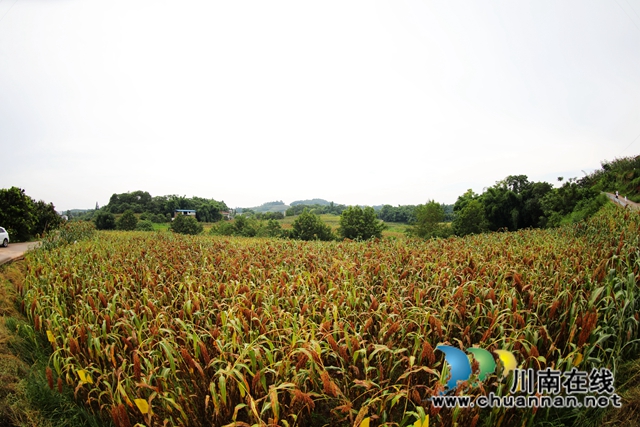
321 202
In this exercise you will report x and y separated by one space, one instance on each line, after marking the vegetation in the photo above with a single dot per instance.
516 203
163 329
311 202
185 224
69 232
360 224
269 207
317 208
404 214
127 222
23 217
248 226
144 225
105 221
622 175
429 221
161 208
470 219
25 396
309 226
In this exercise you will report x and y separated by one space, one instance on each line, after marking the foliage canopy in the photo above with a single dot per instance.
185 224
308 226
127 221
25 218
360 224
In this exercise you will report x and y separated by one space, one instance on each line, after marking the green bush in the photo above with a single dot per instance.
105 221
223 228
184 224
360 224
310 227
127 221
144 225
158 218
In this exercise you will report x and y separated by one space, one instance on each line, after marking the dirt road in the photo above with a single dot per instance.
622 202
15 251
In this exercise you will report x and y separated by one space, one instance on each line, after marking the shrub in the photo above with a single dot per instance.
127 221
224 228
144 225
184 224
360 224
105 221
309 226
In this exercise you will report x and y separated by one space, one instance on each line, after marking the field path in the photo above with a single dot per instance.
16 251
622 202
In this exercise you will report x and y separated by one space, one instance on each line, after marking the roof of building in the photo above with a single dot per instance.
185 210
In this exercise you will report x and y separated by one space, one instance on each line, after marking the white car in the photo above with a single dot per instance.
4 238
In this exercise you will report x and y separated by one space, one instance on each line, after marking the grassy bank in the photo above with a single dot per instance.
26 400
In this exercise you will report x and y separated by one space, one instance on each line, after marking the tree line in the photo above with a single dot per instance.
511 204
25 218
161 208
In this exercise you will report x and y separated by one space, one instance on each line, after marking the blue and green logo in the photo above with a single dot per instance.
460 366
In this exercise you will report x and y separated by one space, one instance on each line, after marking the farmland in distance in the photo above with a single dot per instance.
158 328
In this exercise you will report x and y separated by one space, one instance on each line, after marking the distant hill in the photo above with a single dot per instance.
277 206
321 202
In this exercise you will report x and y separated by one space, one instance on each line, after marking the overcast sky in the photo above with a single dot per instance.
359 102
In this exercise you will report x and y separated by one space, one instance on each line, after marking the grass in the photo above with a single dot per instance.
395 229
161 227
629 391
25 397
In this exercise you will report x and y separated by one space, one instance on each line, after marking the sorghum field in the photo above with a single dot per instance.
163 329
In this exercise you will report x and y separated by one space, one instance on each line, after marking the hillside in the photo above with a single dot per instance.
622 175
321 202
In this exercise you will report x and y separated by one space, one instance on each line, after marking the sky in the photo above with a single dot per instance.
358 102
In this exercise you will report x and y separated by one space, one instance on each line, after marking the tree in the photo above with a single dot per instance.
185 224
274 229
360 224
515 203
310 227
224 228
470 219
127 221
105 221
144 225
208 212
429 220
387 213
17 214
463 200
45 218
404 213
23 217
245 226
